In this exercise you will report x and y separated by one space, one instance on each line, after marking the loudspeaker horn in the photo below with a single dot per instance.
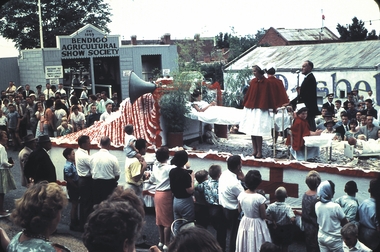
138 87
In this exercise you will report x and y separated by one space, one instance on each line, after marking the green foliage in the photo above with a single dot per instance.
236 44
174 103
372 36
236 82
190 52
355 31
213 71
19 20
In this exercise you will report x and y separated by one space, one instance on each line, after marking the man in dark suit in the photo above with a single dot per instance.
39 165
27 91
344 127
329 104
307 94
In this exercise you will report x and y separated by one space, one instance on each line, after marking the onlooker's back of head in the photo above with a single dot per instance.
269 247
214 171
313 179
115 223
201 176
233 162
351 188
194 239
281 194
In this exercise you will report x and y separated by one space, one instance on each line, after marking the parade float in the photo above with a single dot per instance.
144 115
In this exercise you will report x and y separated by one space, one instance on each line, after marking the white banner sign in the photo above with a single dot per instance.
53 72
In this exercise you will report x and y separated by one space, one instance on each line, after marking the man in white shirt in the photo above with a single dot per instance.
107 113
372 97
338 110
103 102
82 162
60 89
229 189
48 92
105 171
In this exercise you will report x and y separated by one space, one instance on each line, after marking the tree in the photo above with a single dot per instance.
19 20
237 44
372 35
355 32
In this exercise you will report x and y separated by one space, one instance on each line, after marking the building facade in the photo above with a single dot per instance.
96 58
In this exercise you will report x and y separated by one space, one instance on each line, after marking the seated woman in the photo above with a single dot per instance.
300 129
353 132
38 212
197 102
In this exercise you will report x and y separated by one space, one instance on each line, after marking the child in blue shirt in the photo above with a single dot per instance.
71 176
13 125
348 202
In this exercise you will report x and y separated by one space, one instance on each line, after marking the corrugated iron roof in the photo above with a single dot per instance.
307 34
348 55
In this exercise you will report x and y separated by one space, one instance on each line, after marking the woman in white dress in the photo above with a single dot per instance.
256 120
253 231
198 103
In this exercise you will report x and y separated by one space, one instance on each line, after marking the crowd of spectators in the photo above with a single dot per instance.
50 111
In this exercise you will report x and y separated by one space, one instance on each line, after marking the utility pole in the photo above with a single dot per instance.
40 22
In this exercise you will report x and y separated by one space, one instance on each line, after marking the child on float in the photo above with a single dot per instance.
348 202
282 216
129 142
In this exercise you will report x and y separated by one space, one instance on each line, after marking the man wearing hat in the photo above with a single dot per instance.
326 117
29 143
329 104
19 90
39 166
39 92
329 127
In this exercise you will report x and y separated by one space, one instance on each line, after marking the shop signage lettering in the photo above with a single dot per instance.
343 83
89 46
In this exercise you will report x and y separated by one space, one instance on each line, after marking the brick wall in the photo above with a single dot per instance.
272 38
